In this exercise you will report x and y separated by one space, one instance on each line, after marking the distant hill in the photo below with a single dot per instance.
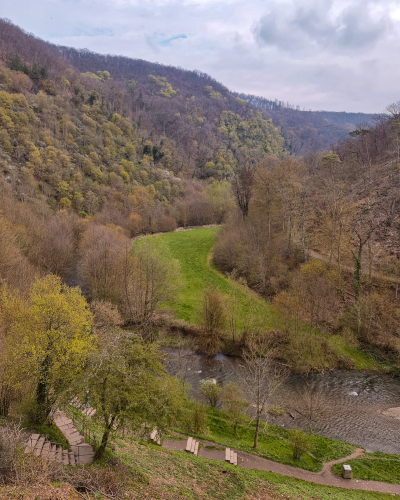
306 130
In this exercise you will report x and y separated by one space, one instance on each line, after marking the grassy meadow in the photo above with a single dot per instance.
193 250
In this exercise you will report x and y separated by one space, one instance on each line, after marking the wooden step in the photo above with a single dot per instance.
65 459
84 454
45 449
30 445
227 454
193 445
196 449
189 444
52 452
71 458
38 447
58 455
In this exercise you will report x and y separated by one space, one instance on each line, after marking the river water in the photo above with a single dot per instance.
351 401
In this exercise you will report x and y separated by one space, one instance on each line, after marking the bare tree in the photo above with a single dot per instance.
151 279
311 401
242 188
261 376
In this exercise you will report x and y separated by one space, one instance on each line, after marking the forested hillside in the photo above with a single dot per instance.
306 130
320 237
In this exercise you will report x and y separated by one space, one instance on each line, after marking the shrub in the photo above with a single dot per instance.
199 418
299 442
213 320
210 391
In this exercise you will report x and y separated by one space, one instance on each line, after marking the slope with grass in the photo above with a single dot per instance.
374 466
273 442
193 250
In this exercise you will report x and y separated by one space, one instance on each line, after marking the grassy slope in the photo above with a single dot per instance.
273 442
192 248
177 475
374 466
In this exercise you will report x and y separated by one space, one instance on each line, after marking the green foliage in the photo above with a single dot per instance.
233 404
299 442
199 418
213 93
254 135
128 386
210 391
52 338
165 88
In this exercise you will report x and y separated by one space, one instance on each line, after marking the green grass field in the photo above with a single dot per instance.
192 249
375 467
178 475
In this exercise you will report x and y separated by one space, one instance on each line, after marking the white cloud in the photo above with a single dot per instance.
323 54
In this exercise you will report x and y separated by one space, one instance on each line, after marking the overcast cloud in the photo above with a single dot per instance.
320 54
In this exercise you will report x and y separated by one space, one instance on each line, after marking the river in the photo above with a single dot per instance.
352 401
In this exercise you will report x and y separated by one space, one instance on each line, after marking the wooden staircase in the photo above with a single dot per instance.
83 451
41 447
80 452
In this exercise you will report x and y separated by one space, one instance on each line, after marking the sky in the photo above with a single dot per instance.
320 54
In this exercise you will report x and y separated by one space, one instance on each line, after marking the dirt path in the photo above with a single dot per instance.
325 258
324 477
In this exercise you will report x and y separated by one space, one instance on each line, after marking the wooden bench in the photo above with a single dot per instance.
155 437
189 444
192 446
230 456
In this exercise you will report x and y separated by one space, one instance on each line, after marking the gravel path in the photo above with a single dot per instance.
324 477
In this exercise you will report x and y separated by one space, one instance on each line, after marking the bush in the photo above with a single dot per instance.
210 391
299 442
33 412
213 320
199 418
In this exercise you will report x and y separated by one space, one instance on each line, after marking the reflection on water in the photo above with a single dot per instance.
352 400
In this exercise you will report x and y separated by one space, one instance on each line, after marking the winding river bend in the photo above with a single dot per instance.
353 400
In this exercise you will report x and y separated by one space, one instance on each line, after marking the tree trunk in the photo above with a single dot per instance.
358 271
42 390
257 430
104 439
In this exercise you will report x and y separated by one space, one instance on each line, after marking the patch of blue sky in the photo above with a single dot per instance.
167 41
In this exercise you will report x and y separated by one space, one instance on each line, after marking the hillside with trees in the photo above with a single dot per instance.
319 237
99 151
305 130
